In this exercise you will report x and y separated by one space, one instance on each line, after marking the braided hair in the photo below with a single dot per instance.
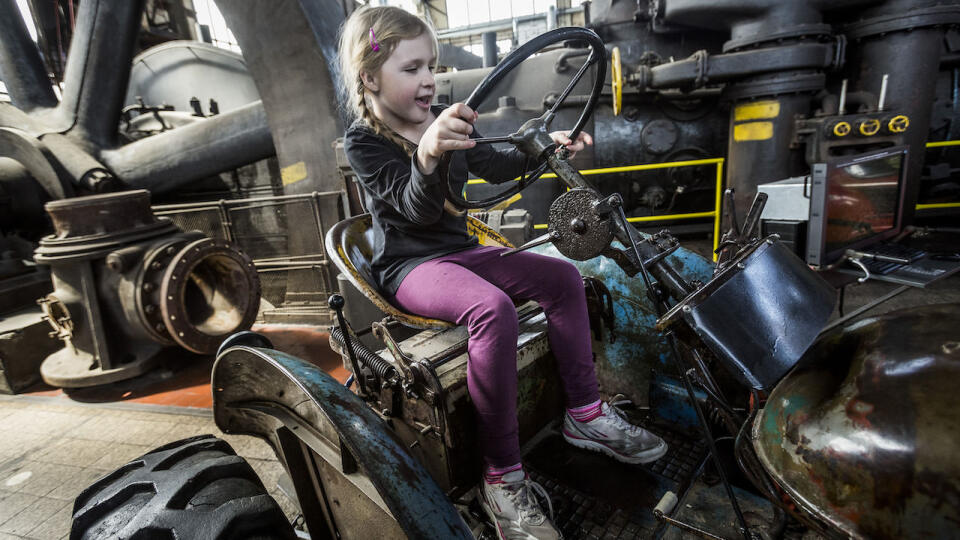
384 26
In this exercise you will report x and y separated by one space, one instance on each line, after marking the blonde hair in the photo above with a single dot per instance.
390 25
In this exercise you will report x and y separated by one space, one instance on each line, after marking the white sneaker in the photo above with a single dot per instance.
612 435
513 508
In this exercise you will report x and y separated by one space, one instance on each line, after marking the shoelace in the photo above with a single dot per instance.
525 500
618 416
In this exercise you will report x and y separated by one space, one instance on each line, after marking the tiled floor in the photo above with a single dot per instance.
50 450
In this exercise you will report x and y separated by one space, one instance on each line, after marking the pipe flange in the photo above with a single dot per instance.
776 86
799 32
900 22
149 282
199 311
92 226
580 232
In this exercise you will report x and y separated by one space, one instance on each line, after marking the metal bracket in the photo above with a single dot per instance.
56 313
403 361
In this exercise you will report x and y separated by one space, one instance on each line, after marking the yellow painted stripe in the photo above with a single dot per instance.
937 144
757 110
293 173
670 217
931 206
626 168
753 131
716 208
506 204
665 217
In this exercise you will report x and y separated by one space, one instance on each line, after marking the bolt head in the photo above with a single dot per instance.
578 226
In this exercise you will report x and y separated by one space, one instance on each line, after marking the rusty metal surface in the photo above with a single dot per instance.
582 233
128 285
864 434
624 363
261 391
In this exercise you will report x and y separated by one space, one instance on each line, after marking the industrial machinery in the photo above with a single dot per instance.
850 438
837 439
129 288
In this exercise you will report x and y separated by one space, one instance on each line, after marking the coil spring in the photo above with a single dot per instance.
366 357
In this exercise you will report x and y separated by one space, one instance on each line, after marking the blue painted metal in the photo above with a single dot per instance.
669 402
625 365
257 391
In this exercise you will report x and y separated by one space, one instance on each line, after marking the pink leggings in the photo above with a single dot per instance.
475 288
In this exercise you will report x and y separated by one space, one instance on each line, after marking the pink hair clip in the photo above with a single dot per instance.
374 44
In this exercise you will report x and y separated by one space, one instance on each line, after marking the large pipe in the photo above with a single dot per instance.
489 49
21 67
98 69
912 59
169 160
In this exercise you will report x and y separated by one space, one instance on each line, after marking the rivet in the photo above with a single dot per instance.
181 334
150 309
687 309
148 287
173 317
741 266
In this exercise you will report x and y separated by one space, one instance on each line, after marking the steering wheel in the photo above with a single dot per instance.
533 137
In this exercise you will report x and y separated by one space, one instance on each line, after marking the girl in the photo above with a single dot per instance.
426 263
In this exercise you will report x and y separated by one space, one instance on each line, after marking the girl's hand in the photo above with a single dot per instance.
563 139
450 131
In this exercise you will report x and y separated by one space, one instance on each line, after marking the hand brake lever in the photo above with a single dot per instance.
753 216
543 239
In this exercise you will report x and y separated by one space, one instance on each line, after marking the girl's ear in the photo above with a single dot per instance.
369 81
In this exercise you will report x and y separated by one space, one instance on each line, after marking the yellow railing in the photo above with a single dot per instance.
931 206
715 213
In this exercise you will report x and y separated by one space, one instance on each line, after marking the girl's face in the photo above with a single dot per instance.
404 87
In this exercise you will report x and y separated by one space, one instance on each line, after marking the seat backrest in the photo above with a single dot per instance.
349 245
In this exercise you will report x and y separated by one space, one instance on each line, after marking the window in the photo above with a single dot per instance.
462 13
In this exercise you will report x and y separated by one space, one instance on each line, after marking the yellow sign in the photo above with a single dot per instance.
293 173
753 131
757 110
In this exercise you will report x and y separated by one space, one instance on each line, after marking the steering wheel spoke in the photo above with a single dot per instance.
493 140
532 138
592 59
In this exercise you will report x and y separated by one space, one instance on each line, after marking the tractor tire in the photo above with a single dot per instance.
194 488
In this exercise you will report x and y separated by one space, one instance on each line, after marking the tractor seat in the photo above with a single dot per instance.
349 245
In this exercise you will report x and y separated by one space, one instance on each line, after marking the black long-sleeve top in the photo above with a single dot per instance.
410 225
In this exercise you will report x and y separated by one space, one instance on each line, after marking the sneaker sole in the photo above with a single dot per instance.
647 456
